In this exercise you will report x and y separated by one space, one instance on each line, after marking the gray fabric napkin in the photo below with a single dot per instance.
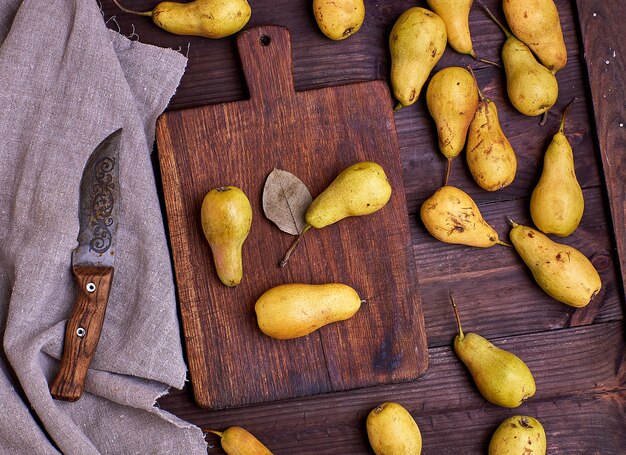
66 82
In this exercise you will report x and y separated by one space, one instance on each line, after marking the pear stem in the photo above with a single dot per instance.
458 319
219 433
448 167
293 246
480 92
398 107
565 112
129 11
500 242
544 118
493 18
511 222
489 62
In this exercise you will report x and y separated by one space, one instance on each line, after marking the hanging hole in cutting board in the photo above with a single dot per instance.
265 40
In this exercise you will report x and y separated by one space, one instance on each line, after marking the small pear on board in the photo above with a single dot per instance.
339 19
532 88
239 441
360 189
417 41
536 23
563 272
452 216
518 435
490 157
226 219
391 430
452 98
455 14
500 376
294 310
557 203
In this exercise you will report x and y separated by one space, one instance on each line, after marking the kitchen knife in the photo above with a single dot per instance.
92 264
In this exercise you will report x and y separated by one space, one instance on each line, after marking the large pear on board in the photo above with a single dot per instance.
339 19
518 435
391 430
294 310
226 219
452 98
562 271
455 14
536 23
452 216
557 203
417 41
500 376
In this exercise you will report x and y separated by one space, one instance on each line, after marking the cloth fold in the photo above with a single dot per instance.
66 82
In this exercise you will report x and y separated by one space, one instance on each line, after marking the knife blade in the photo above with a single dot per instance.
92 265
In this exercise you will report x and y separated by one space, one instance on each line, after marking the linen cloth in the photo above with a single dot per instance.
66 82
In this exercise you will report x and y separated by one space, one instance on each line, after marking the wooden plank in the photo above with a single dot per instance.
314 134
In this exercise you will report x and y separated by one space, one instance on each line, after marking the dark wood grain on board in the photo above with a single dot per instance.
313 134
577 355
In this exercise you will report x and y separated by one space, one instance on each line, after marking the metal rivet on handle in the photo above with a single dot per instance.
81 332
90 287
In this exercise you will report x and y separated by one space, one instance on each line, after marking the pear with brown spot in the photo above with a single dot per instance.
391 430
562 271
518 435
455 14
339 19
490 156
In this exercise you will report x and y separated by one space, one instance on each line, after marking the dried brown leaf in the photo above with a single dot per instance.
285 201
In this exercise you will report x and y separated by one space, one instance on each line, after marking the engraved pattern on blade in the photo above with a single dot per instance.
99 205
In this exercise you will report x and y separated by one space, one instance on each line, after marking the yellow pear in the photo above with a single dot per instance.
452 99
562 271
536 23
451 216
417 41
294 310
207 18
455 14
339 19
518 435
490 157
391 430
239 441
557 203
226 219
532 88
500 376
360 189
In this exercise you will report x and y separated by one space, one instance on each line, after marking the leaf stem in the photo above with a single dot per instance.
293 246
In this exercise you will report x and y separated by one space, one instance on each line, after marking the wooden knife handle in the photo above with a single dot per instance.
82 332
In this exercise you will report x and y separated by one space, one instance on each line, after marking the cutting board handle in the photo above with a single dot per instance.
265 54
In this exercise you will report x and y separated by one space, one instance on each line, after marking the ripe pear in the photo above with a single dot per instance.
339 19
226 219
451 216
452 98
557 203
518 435
208 18
417 41
532 88
536 23
490 157
239 441
562 271
294 310
391 430
360 189
455 14
500 376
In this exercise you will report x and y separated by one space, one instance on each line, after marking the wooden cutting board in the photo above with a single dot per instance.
314 135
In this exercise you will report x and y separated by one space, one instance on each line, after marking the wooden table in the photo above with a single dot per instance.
577 356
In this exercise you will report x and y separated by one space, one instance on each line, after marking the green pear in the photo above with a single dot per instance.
226 219
360 189
417 41
557 203
391 430
294 310
500 376
518 435
490 156
452 216
532 88
536 23
562 271
455 14
452 99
